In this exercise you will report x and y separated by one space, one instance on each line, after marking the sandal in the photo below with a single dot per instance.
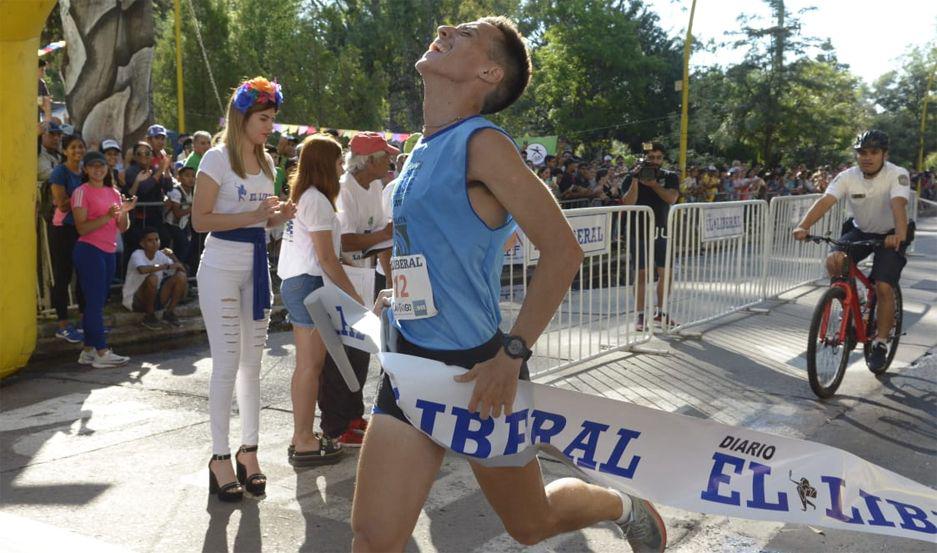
328 453
231 492
255 484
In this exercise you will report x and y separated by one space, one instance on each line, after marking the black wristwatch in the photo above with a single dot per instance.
516 347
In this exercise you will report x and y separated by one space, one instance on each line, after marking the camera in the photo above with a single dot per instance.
648 172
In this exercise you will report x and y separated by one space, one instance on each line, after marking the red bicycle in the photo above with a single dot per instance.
843 318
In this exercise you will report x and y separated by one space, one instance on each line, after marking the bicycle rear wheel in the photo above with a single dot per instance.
827 355
893 337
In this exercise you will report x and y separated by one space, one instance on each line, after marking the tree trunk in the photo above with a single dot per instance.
108 67
776 82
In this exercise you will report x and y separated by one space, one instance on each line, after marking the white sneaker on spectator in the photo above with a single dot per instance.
86 357
109 359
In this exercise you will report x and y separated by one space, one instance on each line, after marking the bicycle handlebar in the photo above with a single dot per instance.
856 244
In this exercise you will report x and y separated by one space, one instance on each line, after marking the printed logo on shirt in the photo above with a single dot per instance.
243 195
903 180
403 184
401 238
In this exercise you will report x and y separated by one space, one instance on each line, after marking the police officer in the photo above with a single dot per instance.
877 194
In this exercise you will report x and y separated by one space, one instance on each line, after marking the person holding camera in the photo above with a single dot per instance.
651 185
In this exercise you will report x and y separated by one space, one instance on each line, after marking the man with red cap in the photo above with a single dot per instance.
364 229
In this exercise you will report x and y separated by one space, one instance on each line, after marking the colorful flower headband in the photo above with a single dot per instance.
257 91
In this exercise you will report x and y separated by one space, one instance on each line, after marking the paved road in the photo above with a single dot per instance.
115 459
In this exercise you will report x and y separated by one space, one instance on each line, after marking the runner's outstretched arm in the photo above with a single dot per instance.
494 161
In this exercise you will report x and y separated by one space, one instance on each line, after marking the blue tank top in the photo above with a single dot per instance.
433 217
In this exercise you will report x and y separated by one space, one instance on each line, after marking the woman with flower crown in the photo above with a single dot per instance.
234 202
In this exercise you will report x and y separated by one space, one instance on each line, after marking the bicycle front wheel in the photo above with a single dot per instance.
894 336
827 354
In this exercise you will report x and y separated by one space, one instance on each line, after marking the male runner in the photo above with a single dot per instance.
877 194
454 207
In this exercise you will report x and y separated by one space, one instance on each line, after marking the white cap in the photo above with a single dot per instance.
607 158
110 144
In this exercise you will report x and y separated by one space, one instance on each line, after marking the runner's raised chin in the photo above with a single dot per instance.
462 193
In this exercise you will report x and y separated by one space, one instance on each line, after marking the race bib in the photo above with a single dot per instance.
413 293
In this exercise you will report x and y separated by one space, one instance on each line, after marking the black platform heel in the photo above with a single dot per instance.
227 492
255 484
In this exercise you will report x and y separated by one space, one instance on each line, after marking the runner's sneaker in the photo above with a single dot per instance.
645 530
878 355
70 334
86 357
109 359
150 321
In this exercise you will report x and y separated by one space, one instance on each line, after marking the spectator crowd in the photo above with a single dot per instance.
579 182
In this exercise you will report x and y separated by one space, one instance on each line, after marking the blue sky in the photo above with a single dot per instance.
868 35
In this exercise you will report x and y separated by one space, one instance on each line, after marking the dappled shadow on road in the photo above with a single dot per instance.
34 415
912 402
322 532
248 537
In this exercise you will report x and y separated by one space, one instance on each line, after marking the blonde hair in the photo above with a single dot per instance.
233 135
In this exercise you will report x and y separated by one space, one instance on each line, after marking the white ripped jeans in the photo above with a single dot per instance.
237 342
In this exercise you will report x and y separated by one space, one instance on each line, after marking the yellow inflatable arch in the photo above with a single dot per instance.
20 25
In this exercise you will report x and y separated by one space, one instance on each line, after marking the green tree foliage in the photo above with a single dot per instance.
289 40
602 70
350 63
900 94
779 106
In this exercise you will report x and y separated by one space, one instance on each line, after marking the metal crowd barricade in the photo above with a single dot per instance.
715 259
913 214
598 313
791 263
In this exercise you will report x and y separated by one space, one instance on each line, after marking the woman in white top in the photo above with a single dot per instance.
234 201
308 254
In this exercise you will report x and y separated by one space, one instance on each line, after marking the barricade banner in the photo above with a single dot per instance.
722 222
715 261
716 468
591 230
598 314
670 459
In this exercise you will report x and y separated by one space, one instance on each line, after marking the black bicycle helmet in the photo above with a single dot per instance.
872 138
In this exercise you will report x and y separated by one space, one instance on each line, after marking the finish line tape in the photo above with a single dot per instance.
693 464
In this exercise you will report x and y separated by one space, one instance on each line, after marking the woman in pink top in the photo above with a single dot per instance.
99 213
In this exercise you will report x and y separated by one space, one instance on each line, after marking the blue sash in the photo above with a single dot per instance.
258 237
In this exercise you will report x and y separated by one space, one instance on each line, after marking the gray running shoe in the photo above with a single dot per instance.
645 531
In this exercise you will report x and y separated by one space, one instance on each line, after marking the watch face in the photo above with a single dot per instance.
515 347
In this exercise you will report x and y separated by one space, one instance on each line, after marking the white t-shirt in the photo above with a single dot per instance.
178 195
235 195
387 198
135 278
298 256
869 200
360 211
